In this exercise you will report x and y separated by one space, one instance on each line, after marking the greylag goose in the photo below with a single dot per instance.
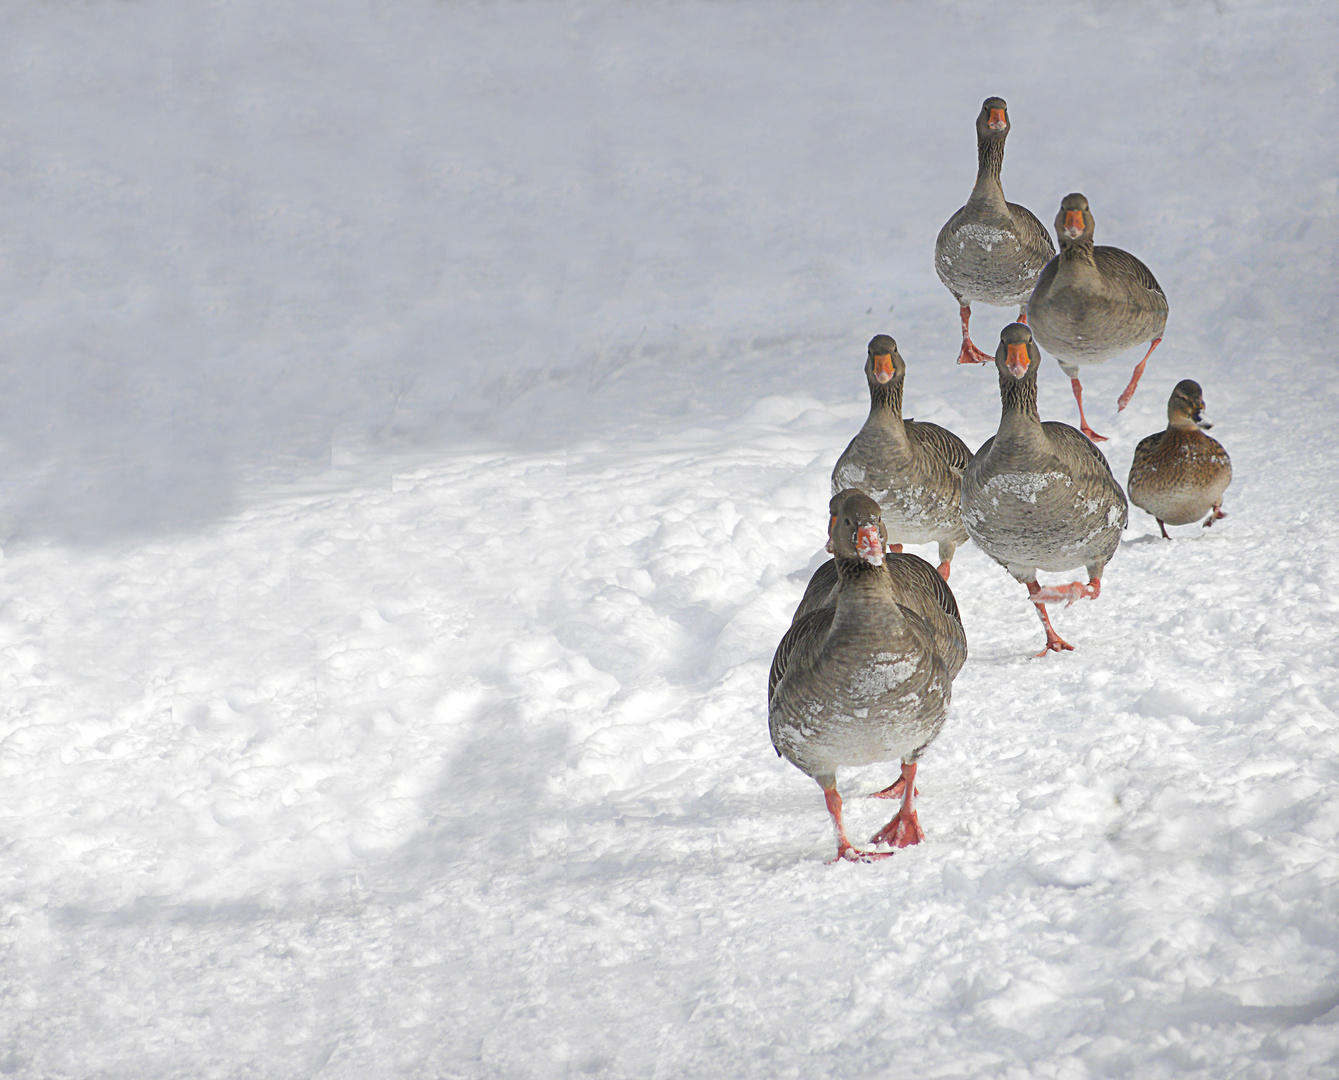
1092 303
1040 496
867 675
990 250
913 470
1180 473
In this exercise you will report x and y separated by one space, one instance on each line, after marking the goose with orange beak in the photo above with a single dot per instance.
991 250
1041 496
912 469
1092 303
866 673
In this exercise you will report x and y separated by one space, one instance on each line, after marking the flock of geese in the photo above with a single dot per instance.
865 672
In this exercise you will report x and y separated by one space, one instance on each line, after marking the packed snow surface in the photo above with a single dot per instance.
417 422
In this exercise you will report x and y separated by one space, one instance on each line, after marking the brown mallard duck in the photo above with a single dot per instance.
1180 474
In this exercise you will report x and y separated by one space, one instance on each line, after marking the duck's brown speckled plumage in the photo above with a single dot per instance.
912 469
1179 474
991 250
867 676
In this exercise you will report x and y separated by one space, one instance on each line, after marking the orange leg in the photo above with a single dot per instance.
1054 642
845 849
1214 514
1075 590
1083 421
1128 392
970 354
905 828
943 569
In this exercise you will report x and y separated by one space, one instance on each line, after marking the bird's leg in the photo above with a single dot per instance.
892 791
946 550
845 849
1128 392
1083 421
1075 590
970 354
1054 642
905 829
895 548
1162 525
1214 514
1022 313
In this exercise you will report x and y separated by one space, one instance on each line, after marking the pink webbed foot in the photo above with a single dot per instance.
1075 590
1214 514
943 569
896 549
905 829
846 851
970 354
892 791
1083 420
1054 642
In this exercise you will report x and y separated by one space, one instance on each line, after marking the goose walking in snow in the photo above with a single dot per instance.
866 675
1181 473
1092 303
912 469
1040 496
991 250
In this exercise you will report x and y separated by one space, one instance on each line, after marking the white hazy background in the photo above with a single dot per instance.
415 430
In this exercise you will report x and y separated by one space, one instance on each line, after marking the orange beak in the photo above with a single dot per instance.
883 366
997 122
1073 223
869 544
1016 360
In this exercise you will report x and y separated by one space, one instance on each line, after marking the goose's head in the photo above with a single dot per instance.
855 527
1017 353
884 364
1074 222
994 118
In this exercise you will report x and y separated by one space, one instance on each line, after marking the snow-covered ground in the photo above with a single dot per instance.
416 426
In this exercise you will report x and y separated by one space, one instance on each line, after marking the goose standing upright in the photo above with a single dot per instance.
1180 473
912 469
990 250
1040 496
1092 303
867 675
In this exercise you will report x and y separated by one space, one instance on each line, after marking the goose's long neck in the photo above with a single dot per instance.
989 161
1077 253
1018 400
862 587
885 403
